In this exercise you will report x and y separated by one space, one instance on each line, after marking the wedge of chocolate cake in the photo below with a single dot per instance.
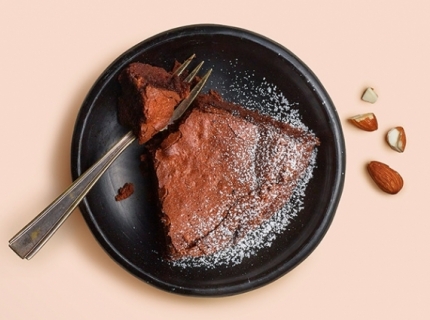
223 171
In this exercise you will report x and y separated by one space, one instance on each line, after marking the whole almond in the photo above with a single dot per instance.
386 179
366 121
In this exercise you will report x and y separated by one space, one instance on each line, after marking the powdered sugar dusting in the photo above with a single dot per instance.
266 98
258 94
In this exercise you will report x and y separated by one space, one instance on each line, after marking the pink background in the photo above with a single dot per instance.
373 263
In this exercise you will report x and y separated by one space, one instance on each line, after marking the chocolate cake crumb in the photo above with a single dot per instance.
125 191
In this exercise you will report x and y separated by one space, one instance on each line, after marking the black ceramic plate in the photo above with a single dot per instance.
130 231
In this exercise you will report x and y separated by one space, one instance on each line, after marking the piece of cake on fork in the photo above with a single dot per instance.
149 94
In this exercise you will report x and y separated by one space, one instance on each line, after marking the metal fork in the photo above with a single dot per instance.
27 242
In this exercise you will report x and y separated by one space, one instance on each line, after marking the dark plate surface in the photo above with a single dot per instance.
130 231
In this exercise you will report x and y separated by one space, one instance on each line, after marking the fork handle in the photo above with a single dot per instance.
27 242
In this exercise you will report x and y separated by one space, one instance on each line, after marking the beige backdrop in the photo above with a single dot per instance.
373 263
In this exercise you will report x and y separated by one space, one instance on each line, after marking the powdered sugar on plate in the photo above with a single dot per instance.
266 98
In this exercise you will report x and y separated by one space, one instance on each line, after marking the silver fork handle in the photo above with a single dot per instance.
27 242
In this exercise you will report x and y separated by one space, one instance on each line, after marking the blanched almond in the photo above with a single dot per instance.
369 95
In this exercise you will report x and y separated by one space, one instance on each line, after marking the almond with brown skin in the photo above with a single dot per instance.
366 121
396 139
386 179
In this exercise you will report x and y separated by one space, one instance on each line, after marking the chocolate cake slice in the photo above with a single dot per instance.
148 97
223 171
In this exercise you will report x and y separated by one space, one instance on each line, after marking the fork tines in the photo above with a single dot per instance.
182 107
184 65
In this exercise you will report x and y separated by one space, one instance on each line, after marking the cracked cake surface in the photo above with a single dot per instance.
223 171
